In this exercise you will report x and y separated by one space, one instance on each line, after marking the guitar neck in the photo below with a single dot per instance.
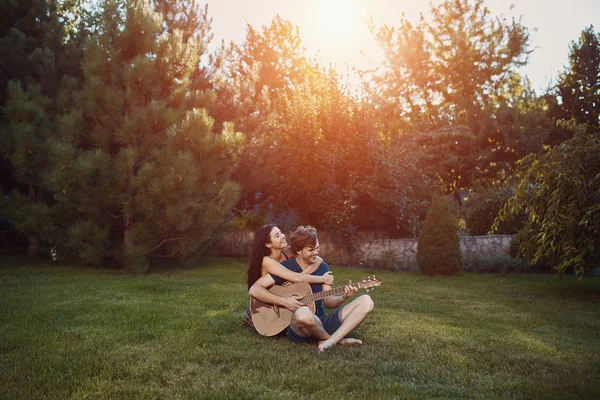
327 293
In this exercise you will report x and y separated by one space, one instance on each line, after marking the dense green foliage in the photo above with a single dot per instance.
450 81
309 139
40 58
438 251
579 85
483 208
71 332
144 167
560 191
126 154
117 125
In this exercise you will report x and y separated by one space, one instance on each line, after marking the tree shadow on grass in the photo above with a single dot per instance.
586 289
171 265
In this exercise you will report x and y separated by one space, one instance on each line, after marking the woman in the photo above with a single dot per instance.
267 254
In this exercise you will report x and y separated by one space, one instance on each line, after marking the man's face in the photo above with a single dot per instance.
309 254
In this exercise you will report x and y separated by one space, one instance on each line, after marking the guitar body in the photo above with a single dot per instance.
270 319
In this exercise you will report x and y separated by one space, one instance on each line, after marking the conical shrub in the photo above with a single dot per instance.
438 251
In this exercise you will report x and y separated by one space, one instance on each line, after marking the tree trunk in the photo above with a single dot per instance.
128 214
32 247
127 232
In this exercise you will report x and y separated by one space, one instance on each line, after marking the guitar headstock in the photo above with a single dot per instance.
369 283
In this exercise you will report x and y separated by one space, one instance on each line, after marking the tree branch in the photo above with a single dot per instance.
165 240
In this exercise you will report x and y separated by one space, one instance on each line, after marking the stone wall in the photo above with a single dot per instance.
374 249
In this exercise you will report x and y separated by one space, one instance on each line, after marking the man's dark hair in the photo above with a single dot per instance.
301 237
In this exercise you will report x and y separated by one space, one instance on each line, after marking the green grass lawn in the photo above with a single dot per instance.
69 332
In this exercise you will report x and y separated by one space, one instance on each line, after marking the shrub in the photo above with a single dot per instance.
438 251
483 209
247 221
387 259
515 244
522 257
10 239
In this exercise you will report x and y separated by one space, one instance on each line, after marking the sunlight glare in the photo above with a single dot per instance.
339 19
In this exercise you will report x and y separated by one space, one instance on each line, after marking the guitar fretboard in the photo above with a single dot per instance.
321 295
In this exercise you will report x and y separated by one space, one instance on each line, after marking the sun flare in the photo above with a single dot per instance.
339 21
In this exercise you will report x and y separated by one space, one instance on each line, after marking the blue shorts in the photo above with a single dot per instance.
331 323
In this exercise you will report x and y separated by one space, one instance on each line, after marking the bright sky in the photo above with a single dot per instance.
337 30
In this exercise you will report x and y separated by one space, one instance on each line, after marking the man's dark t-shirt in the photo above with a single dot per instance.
293 265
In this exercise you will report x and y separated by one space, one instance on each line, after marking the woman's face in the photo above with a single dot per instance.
277 239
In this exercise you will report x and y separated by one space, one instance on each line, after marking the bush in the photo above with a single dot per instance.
483 209
518 255
438 251
247 221
387 259
515 244
10 239
495 263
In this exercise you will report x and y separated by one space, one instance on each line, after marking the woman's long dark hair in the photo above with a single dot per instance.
261 237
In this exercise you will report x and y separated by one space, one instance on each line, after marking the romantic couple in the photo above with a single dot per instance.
269 265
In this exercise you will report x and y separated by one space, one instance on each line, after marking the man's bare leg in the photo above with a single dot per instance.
353 315
308 325
305 323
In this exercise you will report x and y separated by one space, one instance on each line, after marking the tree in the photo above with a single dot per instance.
318 151
256 76
194 23
483 208
438 251
274 54
40 65
445 81
313 148
142 167
560 192
579 85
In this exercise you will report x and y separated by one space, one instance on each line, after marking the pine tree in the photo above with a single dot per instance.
24 144
40 65
438 251
144 169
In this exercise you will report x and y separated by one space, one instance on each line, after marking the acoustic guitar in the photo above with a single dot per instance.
270 319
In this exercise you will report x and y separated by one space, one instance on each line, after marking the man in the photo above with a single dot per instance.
328 330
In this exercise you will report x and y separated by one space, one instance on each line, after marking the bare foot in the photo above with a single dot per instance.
323 345
350 341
